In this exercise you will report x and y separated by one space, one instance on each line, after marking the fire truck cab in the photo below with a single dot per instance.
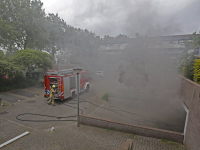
65 82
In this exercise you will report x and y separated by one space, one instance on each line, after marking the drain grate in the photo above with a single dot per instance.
32 101
3 113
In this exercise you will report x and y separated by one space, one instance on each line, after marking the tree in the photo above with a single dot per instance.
24 24
56 29
186 67
189 64
8 68
7 33
133 72
1 54
197 71
137 35
194 42
32 59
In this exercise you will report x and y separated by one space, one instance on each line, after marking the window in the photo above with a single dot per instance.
72 82
86 76
82 75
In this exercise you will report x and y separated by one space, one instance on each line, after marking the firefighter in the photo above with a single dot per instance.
52 92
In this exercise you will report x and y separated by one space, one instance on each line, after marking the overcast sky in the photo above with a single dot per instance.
114 17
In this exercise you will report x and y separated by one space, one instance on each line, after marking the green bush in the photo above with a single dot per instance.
31 82
186 67
6 84
197 71
18 81
22 85
105 96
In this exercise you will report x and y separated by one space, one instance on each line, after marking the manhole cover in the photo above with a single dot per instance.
4 112
32 101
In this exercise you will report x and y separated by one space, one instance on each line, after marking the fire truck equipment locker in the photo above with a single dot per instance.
67 92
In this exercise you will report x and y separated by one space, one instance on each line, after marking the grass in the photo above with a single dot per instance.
132 135
166 141
178 145
170 142
105 96
4 104
163 141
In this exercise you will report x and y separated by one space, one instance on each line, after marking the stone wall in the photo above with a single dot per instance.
190 93
135 129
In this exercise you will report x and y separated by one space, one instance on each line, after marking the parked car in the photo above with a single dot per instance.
99 74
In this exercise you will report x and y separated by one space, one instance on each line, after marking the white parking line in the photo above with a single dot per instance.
12 140
95 110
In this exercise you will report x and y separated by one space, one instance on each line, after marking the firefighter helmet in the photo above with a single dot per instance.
53 86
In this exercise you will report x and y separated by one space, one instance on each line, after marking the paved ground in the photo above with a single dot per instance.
66 134
10 129
126 110
70 137
126 106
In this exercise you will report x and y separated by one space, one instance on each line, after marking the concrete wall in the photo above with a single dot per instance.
135 129
190 93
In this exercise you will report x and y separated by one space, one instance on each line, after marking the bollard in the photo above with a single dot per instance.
0 101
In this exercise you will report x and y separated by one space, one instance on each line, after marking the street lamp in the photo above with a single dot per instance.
77 71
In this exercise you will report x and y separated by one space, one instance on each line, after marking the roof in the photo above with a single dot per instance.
173 37
115 41
157 38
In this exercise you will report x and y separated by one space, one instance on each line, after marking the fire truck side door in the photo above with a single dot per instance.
82 80
66 84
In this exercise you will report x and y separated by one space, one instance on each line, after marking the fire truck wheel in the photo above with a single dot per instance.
87 88
73 95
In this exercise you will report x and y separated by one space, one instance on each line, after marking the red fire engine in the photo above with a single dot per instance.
65 82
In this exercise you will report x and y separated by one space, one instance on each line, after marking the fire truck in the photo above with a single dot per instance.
65 82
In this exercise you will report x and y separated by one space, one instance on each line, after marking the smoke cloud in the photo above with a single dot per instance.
147 17
149 81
